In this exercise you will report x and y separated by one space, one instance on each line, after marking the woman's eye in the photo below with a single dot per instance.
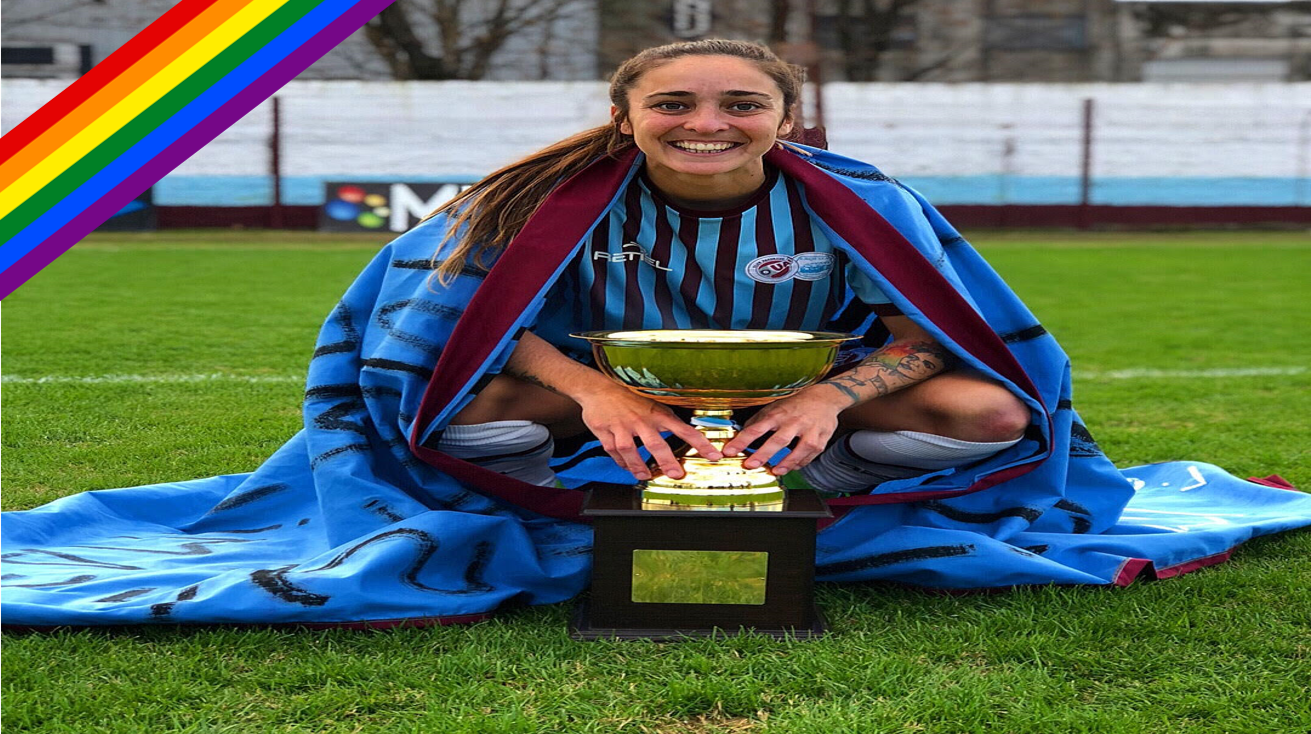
669 106
744 106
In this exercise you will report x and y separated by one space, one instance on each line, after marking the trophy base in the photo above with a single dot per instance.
683 572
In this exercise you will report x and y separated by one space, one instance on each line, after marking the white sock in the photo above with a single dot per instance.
519 449
864 459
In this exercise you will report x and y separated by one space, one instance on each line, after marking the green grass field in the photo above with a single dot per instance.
197 342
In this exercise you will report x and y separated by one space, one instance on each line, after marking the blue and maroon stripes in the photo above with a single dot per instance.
652 264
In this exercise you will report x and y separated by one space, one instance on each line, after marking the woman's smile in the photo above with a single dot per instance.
705 148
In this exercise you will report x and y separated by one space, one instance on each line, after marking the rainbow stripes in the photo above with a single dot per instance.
145 109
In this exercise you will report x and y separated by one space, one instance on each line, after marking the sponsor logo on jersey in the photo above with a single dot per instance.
814 265
780 268
631 251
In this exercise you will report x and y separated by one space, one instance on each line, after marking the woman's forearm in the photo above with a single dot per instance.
898 365
537 361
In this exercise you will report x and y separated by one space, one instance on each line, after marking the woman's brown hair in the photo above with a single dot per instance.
491 212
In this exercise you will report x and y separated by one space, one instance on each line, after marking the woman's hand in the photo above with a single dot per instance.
617 416
809 416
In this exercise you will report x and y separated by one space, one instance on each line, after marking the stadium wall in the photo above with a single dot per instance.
988 154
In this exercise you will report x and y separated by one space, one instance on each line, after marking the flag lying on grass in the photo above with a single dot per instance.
355 520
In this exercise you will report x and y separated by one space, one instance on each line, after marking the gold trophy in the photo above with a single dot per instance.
712 372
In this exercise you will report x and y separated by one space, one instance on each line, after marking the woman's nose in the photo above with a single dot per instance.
705 119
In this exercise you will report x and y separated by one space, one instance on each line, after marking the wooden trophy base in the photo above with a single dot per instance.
669 573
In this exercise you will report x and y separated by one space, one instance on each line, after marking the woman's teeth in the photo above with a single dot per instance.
702 147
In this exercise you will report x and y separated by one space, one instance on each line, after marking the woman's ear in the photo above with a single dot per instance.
785 127
620 121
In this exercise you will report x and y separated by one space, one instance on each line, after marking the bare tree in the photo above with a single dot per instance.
44 11
456 39
865 32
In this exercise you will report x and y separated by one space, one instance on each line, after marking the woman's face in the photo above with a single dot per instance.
705 116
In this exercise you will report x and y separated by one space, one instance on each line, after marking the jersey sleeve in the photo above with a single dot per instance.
864 288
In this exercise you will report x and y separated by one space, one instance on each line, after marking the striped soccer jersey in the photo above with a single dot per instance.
650 264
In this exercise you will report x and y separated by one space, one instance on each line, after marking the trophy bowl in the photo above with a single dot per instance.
712 372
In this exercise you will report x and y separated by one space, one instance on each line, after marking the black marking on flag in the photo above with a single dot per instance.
430 264
1071 506
378 508
1037 550
197 548
380 391
863 174
125 595
427 546
333 392
248 496
385 320
350 335
166 608
12 576
1081 525
423 264
357 448
473 574
392 365
69 558
303 522
1081 441
458 498
251 530
593 452
569 551
274 581
901 556
1023 335
66 582
951 513
334 348
334 418
1065 404
949 241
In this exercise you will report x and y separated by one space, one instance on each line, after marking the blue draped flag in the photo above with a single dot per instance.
357 520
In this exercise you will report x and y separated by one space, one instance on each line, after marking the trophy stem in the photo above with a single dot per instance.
716 484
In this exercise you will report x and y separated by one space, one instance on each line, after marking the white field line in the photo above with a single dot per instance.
144 379
1135 374
1140 374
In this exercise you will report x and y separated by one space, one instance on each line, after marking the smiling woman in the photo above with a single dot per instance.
707 234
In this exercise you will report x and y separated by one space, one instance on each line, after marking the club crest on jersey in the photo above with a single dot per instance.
780 268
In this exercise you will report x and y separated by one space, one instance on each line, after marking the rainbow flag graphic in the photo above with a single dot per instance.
146 108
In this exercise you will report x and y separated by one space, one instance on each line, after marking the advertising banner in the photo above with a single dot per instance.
378 207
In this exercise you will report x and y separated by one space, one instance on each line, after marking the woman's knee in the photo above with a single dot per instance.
990 415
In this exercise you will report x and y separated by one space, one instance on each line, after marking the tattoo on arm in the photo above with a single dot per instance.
898 365
529 378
